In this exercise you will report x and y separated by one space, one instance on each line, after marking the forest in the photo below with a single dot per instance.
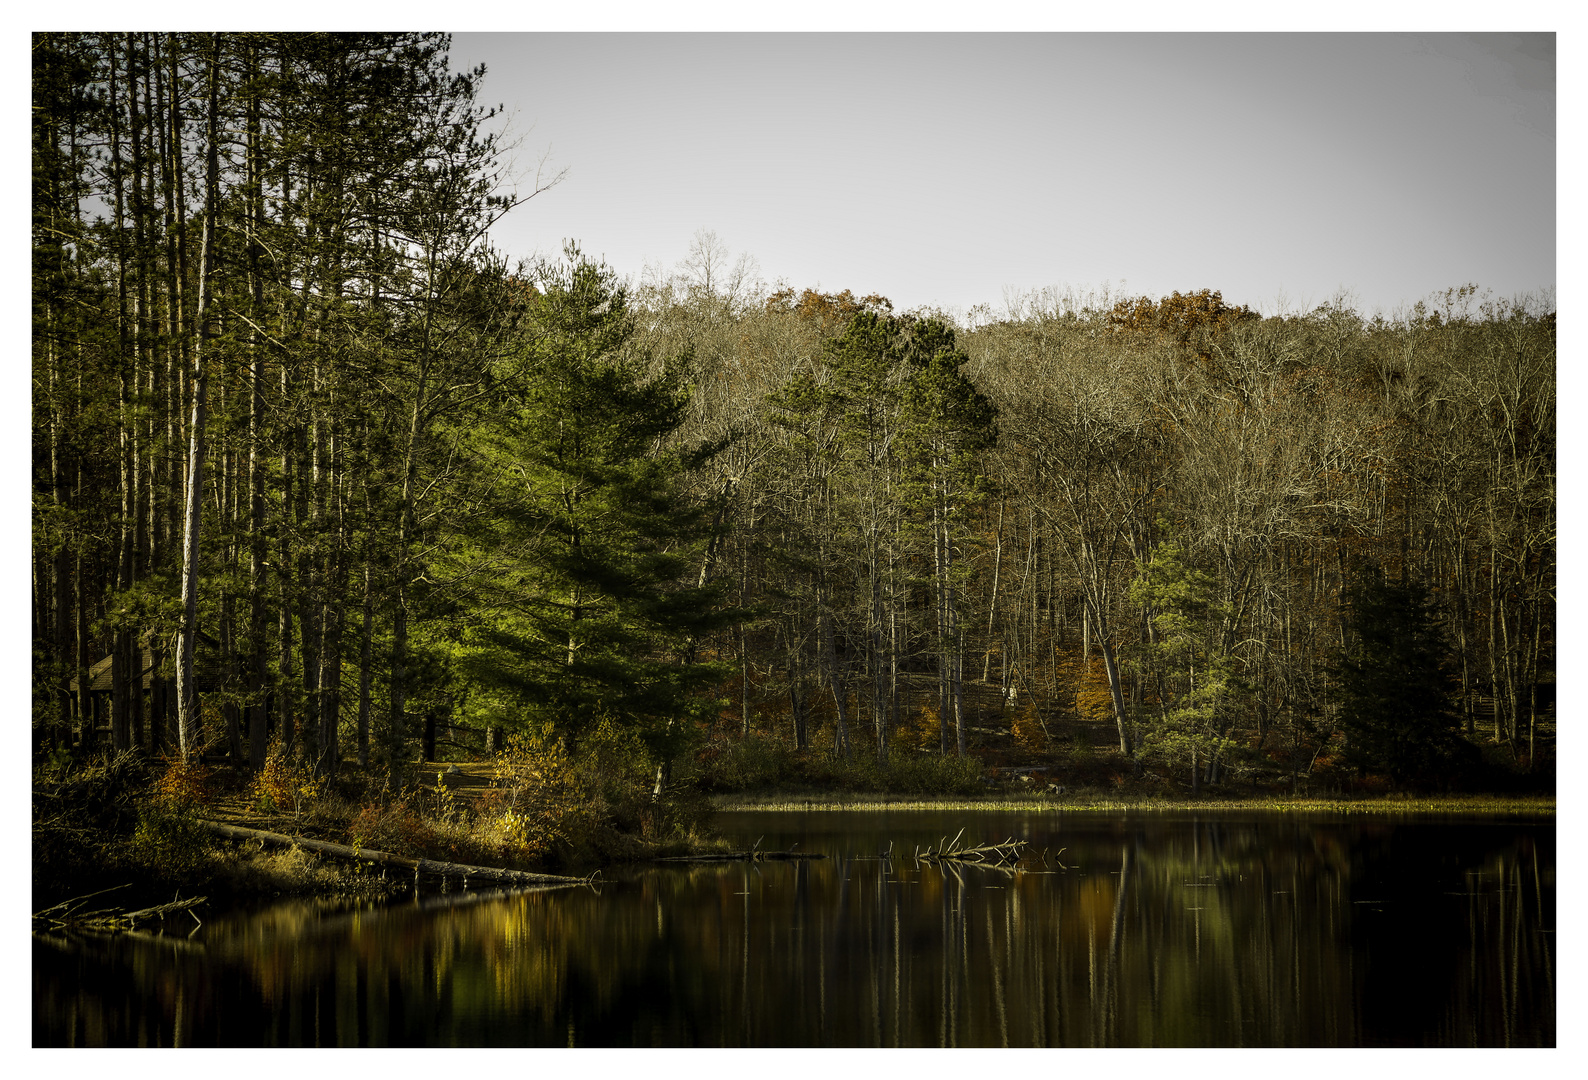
319 473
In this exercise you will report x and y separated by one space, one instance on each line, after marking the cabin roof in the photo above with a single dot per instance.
208 667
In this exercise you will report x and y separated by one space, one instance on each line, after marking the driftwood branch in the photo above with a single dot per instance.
67 913
383 858
989 854
66 907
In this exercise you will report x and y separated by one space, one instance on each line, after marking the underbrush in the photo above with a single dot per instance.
759 764
1076 764
119 820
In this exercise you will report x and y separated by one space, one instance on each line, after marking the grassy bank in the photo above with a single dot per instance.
1488 805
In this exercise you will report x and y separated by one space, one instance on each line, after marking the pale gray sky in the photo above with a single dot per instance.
947 169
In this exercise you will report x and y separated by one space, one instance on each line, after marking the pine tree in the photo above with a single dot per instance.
1395 685
598 600
1192 678
948 422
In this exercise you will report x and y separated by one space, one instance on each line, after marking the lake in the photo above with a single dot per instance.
1117 930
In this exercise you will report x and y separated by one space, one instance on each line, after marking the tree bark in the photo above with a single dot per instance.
187 700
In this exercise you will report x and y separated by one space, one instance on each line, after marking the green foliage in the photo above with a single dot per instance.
1192 674
1395 685
948 422
168 838
283 785
541 796
597 598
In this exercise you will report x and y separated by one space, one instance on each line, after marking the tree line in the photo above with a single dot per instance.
323 464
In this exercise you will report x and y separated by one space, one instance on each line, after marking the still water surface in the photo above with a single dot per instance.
1133 930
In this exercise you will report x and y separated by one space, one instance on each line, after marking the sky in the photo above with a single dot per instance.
962 169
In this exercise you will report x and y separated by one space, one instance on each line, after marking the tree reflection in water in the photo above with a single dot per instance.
1155 931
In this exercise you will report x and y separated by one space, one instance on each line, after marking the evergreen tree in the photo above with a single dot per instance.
1395 685
948 423
598 599
1191 677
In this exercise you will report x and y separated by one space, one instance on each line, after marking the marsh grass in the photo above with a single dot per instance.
1496 806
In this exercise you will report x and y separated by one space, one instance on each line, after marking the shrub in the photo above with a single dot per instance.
184 785
169 840
1093 699
908 772
540 793
395 827
932 774
922 731
282 784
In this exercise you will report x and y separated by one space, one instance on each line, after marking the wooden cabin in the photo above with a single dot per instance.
151 693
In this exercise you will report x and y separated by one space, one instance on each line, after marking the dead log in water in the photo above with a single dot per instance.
994 854
68 913
386 859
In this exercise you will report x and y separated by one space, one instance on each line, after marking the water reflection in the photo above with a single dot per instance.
1142 931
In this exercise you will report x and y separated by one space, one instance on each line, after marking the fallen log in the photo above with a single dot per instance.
66 907
66 914
949 851
383 858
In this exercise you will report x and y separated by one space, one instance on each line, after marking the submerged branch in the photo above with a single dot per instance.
991 854
66 914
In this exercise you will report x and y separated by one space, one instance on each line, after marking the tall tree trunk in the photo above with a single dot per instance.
187 700
835 682
992 603
125 372
1111 669
940 605
258 657
331 624
309 550
365 668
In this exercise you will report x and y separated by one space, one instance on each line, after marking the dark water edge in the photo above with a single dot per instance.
1120 930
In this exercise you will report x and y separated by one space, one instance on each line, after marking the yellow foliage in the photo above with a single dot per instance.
541 794
1093 701
283 784
184 784
1026 727
922 730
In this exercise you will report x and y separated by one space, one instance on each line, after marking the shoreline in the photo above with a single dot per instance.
1485 805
